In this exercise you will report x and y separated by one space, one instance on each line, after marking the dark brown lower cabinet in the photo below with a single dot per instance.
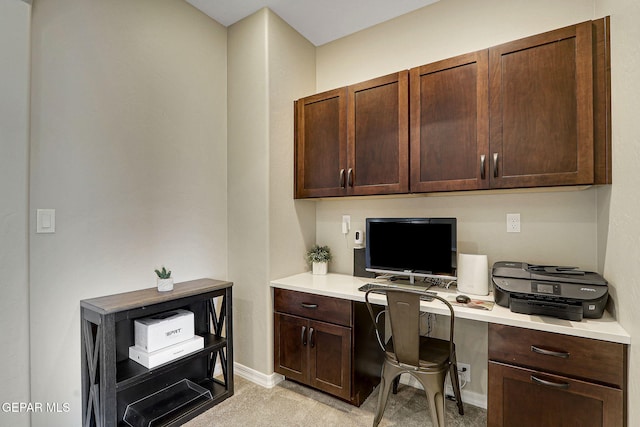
545 379
326 343
524 397
315 353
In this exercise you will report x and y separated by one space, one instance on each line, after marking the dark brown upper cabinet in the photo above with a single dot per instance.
534 112
450 124
354 140
541 109
321 144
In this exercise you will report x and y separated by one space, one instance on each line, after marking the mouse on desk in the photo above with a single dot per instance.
463 299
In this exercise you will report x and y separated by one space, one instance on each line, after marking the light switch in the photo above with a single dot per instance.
46 221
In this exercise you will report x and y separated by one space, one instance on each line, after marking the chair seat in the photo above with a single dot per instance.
434 352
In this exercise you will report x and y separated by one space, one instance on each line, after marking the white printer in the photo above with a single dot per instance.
562 292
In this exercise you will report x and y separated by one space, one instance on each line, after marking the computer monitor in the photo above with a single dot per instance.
412 247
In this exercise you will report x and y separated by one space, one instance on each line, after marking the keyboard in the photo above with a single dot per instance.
425 297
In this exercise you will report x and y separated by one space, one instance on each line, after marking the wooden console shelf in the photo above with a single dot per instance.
111 381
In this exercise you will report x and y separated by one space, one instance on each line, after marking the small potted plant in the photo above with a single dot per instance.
319 257
165 281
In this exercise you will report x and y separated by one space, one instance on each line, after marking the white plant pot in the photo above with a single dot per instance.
165 285
320 267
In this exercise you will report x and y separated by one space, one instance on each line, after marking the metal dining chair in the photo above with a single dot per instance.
427 359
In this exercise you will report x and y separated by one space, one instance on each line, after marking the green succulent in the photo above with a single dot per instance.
164 273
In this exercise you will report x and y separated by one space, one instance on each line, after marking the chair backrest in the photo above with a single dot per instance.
403 307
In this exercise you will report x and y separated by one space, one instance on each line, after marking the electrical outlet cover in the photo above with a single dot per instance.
513 223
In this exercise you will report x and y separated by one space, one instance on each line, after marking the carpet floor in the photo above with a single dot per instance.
291 405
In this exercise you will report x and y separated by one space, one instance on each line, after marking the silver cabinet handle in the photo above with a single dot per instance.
303 335
495 165
342 178
307 305
311 343
482 158
560 354
549 383
350 177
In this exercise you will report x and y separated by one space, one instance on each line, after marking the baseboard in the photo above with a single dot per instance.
269 381
470 397
264 380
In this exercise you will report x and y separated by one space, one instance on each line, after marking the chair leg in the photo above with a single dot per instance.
433 385
396 381
386 381
455 383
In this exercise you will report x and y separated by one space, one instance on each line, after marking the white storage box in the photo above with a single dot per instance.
163 329
158 357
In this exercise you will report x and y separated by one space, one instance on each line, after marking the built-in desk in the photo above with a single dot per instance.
344 286
600 340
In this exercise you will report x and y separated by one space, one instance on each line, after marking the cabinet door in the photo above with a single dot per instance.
290 344
523 397
321 144
541 109
378 138
330 358
450 124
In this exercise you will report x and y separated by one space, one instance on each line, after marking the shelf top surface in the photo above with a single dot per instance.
144 297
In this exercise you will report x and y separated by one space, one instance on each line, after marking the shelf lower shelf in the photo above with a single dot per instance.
129 373
194 408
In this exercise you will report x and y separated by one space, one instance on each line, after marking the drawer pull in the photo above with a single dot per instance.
303 336
482 161
495 165
307 305
311 338
560 354
342 183
549 383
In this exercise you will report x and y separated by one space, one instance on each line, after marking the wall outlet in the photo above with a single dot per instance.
464 371
513 223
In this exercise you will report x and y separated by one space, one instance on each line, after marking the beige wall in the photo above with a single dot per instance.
291 76
248 181
15 25
621 201
557 227
128 144
270 65
441 30
129 110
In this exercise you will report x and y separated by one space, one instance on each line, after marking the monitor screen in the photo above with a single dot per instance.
423 247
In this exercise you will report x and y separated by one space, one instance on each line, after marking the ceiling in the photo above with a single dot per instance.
320 21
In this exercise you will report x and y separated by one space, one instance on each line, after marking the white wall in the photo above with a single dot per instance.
270 65
557 227
128 144
15 25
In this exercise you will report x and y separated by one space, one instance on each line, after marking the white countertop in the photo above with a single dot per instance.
345 286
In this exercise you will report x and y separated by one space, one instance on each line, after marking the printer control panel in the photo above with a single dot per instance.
546 288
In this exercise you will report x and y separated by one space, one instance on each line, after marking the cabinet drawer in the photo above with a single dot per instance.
311 306
595 360
558 400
